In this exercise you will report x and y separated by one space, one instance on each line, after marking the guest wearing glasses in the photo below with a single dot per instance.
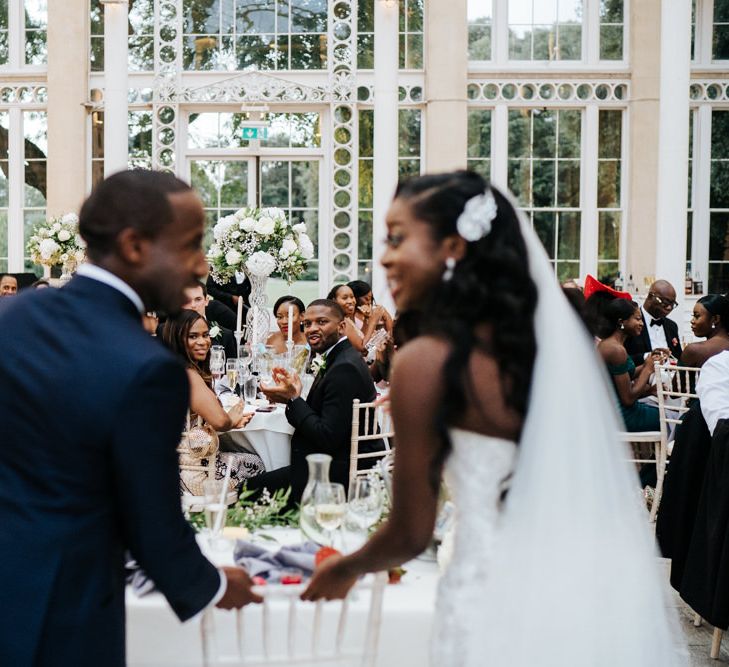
710 320
281 312
659 332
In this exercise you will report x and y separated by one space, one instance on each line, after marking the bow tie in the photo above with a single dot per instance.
656 323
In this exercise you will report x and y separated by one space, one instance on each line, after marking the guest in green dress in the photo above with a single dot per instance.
622 320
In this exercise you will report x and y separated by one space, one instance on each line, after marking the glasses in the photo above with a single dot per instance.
661 301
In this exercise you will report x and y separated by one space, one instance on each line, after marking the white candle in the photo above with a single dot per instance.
291 323
239 320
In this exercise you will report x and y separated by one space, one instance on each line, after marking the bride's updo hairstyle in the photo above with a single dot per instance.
490 285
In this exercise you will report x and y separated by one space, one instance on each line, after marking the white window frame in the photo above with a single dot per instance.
16 42
703 36
590 45
589 218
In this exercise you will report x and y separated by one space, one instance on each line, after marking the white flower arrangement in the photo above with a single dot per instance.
56 242
259 242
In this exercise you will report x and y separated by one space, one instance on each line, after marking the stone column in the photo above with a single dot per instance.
386 135
639 243
68 69
446 66
116 88
672 189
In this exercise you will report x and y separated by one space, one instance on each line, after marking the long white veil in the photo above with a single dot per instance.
575 579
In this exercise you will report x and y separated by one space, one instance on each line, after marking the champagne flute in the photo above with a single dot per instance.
329 507
231 371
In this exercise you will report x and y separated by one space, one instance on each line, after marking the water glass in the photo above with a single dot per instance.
250 389
365 501
245 355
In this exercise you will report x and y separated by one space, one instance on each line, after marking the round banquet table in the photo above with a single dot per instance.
268 434
155 638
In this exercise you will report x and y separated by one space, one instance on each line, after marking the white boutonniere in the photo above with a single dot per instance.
318 364
214 330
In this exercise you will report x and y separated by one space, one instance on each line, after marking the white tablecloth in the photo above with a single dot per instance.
268 434
155 638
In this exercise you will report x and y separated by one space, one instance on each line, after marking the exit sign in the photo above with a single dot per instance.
251 133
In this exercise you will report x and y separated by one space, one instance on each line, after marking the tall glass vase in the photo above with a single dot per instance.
258 319
66 271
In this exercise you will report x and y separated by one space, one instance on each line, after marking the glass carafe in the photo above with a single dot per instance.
318 474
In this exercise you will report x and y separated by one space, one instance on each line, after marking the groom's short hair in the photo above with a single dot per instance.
333 306
137 198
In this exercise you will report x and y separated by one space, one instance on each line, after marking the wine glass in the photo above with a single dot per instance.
329 507
365 501
231 372
245 356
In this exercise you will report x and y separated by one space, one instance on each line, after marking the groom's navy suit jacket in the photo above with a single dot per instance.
91 410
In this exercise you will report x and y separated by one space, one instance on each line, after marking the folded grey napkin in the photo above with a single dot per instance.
260 562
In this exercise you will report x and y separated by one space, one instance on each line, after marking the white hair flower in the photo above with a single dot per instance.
478 214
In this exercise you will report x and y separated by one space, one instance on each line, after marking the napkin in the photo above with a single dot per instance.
260 562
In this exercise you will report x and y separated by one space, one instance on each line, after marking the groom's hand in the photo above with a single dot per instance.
238 592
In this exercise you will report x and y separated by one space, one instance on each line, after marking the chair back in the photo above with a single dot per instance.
283 630
676 386
370 422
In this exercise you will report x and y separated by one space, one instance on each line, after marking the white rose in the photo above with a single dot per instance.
300 228
64 235
265 226
248 224
290 246
223 226
70 219
274 212
48 248
215 251
56 226
79 256
306 246
261 264
214 331
233 257
283 253
235 235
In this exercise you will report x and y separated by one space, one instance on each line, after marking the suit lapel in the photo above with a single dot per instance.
333 354
646 334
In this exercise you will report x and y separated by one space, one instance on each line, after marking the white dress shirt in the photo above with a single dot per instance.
713 389
657 334
108 278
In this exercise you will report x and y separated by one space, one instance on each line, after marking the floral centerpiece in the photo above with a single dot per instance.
56 242
259 243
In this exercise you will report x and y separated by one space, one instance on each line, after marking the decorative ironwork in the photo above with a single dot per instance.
549 91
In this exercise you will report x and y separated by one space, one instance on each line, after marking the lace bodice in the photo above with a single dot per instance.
477 472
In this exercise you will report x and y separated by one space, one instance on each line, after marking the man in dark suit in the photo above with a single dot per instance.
91 411
322 422
659 332
197 300
228 294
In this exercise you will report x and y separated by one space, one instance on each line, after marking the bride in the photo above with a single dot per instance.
553 563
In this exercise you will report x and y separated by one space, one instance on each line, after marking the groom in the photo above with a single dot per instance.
91 411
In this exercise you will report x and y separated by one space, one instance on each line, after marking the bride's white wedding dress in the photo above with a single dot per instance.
564 572
477 473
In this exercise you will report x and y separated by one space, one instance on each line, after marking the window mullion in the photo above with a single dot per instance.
702 189
500 32
591 32
704 29
500 145
16 34
15 195
589 233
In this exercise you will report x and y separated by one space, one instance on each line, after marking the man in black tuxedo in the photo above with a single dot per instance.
323 421
197 300
91 411
228 294
659 332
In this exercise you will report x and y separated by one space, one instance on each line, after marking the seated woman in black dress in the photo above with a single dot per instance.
710 320
281 313
622 319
